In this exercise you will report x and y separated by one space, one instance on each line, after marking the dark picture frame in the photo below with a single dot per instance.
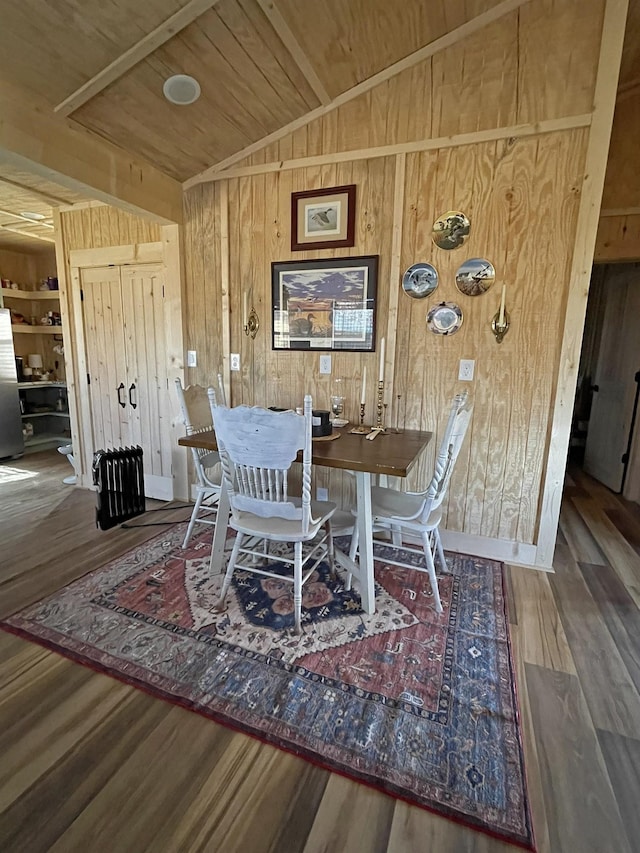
327 304
323 219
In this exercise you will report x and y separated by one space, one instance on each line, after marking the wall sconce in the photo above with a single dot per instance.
250 319
500 322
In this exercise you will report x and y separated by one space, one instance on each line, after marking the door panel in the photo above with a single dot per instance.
104 343
145 346
618 362
125 341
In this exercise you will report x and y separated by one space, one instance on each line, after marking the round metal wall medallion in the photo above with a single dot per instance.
420 280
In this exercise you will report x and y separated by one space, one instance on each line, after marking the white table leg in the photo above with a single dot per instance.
365 541
220 533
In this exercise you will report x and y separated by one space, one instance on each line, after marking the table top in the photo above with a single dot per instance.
389 453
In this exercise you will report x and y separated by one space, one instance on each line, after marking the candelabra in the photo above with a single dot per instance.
361 429
381 407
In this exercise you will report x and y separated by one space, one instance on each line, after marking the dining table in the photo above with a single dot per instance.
391 453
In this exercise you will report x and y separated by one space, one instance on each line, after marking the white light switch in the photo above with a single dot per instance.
325 364
192 360
465 372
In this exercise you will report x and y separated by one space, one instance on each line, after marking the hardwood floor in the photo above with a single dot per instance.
89 764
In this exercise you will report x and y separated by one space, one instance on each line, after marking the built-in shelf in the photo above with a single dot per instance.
23 329
46 438
46 415
42 384
30 294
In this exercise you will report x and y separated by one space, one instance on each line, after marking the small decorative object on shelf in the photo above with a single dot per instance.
361 429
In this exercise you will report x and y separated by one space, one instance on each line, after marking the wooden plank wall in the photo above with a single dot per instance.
522 197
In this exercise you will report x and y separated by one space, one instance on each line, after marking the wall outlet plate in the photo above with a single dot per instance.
192 360
325 364
322 494
465 372
235 361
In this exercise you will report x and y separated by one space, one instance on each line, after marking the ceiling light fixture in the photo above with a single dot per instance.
34 217
181 89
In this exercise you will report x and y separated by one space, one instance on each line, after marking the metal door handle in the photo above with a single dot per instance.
119 389
132 387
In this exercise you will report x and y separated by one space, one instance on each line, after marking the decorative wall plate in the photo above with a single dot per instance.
444 319
450 230
475 277
420 280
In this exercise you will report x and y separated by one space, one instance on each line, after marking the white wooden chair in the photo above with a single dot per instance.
196 415
257 448
418 514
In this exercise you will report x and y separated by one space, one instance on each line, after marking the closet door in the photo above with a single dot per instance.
147 384
105 355
123 317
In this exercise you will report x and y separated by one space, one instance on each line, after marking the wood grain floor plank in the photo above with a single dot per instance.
534 779
542 637
580 805
43 812
412 831
622 757
610 693
627 524
351 817
583 546
33 738
266 805
619 553
619 612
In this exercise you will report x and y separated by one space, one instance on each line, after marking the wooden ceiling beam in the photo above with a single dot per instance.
451 38
301 59
28 233
53 200
39 223
139 51
34 140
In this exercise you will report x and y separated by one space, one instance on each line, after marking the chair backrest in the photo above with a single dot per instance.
456 429
257 448
196 416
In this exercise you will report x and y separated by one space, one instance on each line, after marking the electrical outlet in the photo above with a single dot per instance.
465 372
325 364
322 494
235 361
192 360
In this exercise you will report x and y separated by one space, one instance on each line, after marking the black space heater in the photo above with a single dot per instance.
119 476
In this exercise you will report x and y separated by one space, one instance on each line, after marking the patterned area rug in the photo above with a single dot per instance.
420 705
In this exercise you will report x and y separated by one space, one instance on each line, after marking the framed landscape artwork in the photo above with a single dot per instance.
325 304
323 219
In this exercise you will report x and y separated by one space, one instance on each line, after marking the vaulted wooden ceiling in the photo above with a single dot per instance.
261 64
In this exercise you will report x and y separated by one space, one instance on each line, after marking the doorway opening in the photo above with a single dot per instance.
605 440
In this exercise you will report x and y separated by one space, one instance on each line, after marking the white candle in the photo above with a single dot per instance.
364 385
501 318
245 310
381 374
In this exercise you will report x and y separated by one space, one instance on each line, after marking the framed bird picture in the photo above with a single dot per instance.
327 304
323 219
